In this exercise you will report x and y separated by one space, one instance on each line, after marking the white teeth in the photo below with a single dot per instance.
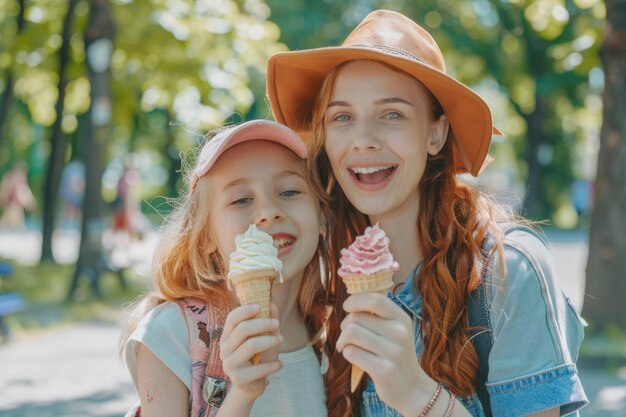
369 170
281 243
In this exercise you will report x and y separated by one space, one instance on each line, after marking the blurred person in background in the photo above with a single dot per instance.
72 192
129 223
16 198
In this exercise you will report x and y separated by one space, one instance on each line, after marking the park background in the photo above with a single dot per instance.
113 84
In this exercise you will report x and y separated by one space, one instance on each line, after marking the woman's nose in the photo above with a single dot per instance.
365 137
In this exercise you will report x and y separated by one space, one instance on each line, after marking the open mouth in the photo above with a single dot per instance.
372 175
283 242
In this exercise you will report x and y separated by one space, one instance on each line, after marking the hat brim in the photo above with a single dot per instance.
294 79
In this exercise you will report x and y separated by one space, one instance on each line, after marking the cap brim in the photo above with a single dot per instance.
248 131
294 79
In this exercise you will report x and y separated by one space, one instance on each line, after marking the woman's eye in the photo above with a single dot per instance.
394 115
341 118
289 193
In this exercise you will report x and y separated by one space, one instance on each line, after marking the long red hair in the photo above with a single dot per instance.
453 222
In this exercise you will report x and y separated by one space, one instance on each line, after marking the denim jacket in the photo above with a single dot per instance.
536 334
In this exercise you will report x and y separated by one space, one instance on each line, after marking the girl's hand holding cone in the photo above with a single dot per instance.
245 336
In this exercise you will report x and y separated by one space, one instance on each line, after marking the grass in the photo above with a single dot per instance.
45 289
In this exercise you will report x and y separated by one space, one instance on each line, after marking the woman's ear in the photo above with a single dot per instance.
438 135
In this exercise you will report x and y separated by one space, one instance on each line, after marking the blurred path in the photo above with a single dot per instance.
73 371
570 249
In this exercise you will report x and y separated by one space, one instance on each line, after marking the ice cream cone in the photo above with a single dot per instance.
377 282
255 287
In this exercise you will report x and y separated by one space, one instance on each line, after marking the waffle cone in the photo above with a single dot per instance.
377 282
359 283
255 287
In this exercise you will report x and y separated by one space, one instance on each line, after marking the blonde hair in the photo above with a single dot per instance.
187 262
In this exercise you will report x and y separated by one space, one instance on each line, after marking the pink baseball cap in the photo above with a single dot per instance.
252 130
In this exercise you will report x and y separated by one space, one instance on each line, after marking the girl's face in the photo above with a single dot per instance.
263 183
379 131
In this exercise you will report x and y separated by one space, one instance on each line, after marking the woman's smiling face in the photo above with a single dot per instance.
379 131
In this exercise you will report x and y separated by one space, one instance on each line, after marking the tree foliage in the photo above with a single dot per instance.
184 66
190 64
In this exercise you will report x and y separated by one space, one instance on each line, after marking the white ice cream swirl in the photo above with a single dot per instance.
254 250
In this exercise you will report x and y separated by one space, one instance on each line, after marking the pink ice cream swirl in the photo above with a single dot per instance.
369 253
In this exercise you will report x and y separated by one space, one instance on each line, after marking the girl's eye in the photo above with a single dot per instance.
289 193
242 201
393 115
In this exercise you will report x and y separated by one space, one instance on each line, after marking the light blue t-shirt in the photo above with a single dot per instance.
536 337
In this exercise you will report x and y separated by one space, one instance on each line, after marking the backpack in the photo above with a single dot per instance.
479 308
205 324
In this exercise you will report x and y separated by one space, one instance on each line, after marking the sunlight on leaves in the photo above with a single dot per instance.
585 4
523 93
547 17
433 19
77 99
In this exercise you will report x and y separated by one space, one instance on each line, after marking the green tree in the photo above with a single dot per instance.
58 140
99 36
178 69
6 98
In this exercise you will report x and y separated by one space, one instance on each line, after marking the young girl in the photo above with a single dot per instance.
476 324
254 173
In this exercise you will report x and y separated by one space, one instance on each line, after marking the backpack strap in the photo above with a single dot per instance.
479 308
482 339
205 323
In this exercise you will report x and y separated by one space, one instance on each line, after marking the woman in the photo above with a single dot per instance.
476 316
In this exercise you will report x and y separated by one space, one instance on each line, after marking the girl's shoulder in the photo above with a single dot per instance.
164 321
164 332
166 313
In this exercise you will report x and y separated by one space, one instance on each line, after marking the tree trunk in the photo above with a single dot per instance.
533 202
6 99
99 47
173 154
58 142
606 286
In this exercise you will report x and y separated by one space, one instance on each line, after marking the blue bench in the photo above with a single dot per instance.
10 302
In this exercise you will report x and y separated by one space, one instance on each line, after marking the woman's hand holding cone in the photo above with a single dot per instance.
378 336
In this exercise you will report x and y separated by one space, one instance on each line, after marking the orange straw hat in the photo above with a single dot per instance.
294 79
